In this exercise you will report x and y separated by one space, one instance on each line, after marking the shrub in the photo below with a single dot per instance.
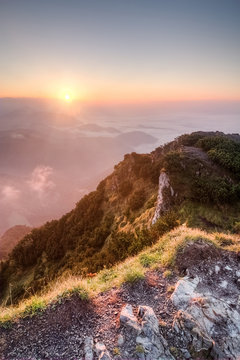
213 189
137 199
164 224
236 227
125 188
116 351
223 151
172 161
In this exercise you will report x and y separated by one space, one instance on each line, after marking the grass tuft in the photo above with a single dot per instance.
167 274
147 260
140 349
35 307
133 275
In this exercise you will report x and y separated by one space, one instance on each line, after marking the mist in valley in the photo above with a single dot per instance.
51 153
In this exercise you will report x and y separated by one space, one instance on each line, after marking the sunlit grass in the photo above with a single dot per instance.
162 254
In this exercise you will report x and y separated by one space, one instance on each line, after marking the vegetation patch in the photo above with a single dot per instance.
164 253
36 306
133 275
146 260
76 290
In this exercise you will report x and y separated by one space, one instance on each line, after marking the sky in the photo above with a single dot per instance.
120 51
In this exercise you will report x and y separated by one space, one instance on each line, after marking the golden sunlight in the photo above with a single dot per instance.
67 97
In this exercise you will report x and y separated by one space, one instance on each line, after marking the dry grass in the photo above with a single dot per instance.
163 253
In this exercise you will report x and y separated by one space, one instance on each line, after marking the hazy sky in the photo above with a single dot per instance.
125 50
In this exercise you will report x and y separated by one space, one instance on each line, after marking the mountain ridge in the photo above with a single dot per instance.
126 275
115 221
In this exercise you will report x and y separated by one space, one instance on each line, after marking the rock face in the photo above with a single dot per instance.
128 319
164 184
209 312
149 343
102 352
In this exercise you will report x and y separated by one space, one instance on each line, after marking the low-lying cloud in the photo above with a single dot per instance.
10 193
41 182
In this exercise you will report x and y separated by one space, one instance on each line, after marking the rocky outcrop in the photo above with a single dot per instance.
209 312
164 184
139 338
148 342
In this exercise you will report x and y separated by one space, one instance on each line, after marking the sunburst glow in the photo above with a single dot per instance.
67 97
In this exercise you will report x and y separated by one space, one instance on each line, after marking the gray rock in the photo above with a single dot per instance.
120 340
88 348
209 320
99 347
102 352
184 291
148 335
187 325
164 183
127 318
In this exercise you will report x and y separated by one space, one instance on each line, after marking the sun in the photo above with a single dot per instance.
67 97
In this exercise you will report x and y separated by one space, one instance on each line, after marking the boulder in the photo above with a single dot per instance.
129 319
152 344
208 318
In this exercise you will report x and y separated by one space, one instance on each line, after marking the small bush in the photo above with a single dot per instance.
137 200
174 351
164 224
5 322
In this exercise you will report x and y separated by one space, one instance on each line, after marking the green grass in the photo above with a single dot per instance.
133 275
35 307
162 255
78 290
146 260
211 217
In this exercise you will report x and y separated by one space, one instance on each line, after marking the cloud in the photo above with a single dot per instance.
17 136
10 193
40 181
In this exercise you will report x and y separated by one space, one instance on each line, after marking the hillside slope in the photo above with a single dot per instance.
179 299
10 238
192 180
